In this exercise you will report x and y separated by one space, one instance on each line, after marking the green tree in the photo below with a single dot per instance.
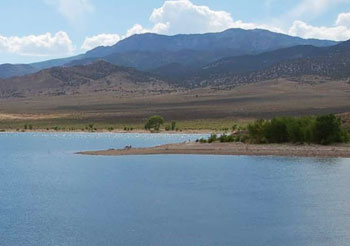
154 123
173 125
257 131
276 130
328 130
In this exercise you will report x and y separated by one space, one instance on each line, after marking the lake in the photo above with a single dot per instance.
49 196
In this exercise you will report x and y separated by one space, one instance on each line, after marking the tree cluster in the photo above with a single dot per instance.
323 130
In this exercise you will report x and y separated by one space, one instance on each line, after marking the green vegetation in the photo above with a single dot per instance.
128 129
224 138
323 130
173 125
319 130
91 127
79 123
154 123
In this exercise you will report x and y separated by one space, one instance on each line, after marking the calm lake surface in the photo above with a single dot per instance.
51 197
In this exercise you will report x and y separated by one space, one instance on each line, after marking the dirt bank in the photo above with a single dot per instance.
231 149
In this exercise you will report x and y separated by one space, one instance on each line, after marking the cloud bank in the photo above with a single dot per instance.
302 29
38 45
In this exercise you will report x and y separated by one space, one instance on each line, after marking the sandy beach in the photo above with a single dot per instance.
232 149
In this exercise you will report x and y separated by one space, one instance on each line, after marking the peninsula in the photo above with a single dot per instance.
191 148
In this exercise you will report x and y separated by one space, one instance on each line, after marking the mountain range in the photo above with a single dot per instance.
228 58
149 52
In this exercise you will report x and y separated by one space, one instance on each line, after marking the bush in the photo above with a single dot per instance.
227 138
167 128
90 127
212 138
202 140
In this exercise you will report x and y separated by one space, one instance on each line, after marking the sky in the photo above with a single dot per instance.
37 30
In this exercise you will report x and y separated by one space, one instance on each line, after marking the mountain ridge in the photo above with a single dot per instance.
192 50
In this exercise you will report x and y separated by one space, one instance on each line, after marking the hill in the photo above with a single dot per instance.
99 76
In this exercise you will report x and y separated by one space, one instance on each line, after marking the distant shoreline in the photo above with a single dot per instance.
341 151
114 131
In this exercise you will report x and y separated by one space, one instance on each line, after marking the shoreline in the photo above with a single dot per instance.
114 131
235 149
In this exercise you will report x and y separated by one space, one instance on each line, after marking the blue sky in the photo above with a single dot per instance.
38 30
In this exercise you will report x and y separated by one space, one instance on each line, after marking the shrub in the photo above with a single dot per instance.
227 138
234 127
212 138
90 127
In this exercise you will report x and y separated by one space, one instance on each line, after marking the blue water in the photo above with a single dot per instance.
49 196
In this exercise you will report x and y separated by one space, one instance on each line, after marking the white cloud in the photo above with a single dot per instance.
182 16
40 45
73 10
339 32
100 40
343 20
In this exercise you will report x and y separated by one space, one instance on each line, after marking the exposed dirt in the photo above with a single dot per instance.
232 149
